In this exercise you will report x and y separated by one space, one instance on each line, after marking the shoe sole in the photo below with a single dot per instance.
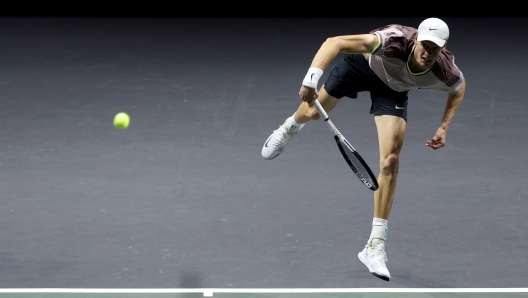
364 262
272 157
380 276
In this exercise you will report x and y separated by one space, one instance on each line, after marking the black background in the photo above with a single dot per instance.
263 9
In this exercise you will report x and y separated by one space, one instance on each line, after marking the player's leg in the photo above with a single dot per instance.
305 112
276 142
389 108
391 133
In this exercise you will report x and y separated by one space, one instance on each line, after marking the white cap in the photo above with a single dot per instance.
435 30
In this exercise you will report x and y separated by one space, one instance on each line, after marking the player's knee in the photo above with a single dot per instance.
389 165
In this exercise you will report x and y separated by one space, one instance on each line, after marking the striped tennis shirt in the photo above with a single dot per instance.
390 62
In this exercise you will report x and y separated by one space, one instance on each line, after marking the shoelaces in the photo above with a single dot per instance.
278 139
380 253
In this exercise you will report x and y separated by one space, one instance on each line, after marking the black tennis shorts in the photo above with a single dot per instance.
353 74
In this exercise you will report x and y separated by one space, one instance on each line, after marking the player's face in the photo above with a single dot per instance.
426 52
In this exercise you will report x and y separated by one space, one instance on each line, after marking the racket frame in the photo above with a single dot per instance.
340 140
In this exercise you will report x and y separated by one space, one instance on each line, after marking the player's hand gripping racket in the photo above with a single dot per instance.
354 160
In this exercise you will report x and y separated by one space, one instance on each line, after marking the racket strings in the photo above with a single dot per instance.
360 170
357 164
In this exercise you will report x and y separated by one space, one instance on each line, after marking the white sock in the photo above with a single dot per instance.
291 126
379 232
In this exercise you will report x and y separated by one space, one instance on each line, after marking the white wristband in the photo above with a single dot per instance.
312 77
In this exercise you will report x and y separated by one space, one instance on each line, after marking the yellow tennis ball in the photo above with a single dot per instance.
121 120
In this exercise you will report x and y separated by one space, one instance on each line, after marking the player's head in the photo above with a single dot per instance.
431 40
435 30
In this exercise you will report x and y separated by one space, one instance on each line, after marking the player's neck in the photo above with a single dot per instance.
414 66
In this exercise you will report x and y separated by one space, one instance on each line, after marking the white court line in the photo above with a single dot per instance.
209 291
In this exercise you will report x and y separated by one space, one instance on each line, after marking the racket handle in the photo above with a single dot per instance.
320 109
327 120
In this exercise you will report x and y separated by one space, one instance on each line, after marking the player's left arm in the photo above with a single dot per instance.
453 102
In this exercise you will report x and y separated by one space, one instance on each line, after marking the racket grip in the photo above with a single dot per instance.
323 114
320 109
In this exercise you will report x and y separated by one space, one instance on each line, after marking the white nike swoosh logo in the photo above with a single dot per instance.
399 108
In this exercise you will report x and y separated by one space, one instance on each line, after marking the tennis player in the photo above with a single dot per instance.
387 62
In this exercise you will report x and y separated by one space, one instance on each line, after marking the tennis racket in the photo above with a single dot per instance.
352 157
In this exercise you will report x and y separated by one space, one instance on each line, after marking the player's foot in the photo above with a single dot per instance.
374 259
276 142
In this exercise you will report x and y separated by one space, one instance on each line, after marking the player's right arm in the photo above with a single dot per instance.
346 44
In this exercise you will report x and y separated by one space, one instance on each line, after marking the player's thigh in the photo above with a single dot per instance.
391 134
390 110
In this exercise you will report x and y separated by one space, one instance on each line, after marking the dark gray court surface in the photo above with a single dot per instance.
182 199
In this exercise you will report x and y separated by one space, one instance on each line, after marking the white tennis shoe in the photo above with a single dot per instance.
374 259
276 142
